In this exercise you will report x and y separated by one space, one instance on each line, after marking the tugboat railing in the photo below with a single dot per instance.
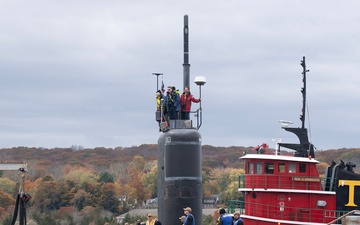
269 181
289 213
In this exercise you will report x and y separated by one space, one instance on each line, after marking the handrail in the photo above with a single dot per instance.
269 181
337 219
294 213
198 115
187 124
166 124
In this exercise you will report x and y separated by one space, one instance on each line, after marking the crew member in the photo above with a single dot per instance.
237 219
224 219
150 220
189 219
185 103
172 103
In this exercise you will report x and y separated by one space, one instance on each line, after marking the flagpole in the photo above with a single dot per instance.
157 79
162 84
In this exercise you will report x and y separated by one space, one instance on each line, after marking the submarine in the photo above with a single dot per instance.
180 158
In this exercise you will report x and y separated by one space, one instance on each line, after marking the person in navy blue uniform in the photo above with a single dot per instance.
237 219
172 103
189 219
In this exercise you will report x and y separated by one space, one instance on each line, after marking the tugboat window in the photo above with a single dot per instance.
292 168
258 168
302 168
251 168
281 168
269 168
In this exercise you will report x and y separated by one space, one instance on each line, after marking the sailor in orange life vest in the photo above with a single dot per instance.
185 103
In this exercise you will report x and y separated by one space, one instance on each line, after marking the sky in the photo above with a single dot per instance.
80 72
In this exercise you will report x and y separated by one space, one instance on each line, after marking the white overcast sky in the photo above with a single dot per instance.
80 72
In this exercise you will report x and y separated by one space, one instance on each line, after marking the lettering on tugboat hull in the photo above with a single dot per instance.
307 179
351 190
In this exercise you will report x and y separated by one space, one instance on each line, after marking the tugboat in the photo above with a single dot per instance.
287 189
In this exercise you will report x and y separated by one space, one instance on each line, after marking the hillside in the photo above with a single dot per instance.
94 183
41 160
103 159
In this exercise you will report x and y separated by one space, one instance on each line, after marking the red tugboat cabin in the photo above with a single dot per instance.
285 188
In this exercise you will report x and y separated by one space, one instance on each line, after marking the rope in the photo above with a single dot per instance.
308 115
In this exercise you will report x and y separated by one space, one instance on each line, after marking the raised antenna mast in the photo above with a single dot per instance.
304 148
186 65
303 91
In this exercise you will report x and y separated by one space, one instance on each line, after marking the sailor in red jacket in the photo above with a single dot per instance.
185 103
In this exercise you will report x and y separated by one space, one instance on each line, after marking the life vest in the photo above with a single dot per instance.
238 221
227 220
186 218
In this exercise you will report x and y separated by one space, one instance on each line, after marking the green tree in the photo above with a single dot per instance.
94 191
46 218
109 200
81 199
47 197
209 184
66 193
221 181
95 216
47 178
81 177
7 185
7 220
149 180
106 177
231 193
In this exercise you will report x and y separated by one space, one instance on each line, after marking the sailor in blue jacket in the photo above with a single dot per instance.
172 103
189 219
224 219
237 219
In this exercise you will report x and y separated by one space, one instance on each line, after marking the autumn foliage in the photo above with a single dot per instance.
70 184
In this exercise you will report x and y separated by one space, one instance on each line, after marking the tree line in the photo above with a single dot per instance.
72 184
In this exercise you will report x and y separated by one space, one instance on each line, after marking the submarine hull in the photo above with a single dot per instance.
181 184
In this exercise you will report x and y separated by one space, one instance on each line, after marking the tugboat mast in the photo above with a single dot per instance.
304 148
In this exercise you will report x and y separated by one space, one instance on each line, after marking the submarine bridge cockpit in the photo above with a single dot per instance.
166 124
